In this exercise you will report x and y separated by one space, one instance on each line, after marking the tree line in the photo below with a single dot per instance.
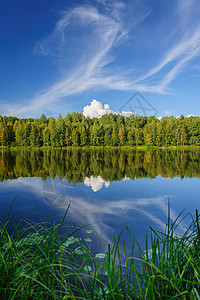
109 130
111 164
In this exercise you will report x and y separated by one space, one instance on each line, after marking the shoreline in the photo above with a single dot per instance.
183 147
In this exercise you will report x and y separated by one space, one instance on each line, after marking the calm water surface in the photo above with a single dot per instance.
106 188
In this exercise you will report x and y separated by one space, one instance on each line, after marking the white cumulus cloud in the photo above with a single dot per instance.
96 110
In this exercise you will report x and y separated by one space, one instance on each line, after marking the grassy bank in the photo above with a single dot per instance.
39 261
142 147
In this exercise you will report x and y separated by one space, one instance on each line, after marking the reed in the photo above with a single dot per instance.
43 261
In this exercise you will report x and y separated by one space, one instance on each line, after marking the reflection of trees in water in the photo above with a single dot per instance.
114 164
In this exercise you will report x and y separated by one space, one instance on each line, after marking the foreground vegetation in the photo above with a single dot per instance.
109 130
41 261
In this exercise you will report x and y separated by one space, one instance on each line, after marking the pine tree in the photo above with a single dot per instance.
121 135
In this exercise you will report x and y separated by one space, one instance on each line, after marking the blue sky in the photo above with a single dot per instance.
57 56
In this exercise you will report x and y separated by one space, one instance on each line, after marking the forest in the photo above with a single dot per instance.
109 130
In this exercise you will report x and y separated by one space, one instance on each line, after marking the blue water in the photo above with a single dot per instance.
107 206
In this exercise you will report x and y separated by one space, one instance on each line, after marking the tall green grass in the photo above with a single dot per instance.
43 261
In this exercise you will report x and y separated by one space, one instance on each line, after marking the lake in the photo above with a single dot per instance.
105 188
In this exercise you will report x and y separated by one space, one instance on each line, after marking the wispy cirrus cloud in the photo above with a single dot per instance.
187 10
83 45
175 60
